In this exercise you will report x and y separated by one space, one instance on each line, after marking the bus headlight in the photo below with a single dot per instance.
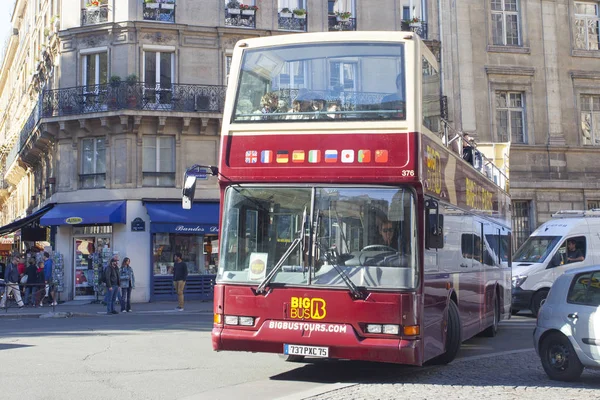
236 320
386 329
518 280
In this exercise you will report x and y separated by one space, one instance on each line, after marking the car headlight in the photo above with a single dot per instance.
518 280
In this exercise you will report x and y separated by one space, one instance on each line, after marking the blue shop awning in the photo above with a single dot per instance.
18 224
93 212
171 217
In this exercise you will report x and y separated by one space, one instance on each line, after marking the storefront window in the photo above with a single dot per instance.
198 252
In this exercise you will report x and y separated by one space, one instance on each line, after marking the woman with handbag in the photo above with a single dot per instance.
127 284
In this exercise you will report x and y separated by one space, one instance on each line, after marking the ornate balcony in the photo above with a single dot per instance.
419 28
138 96
292 23
163 12
341 25
94 15
233 18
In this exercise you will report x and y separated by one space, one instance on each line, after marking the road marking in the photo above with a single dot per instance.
316 391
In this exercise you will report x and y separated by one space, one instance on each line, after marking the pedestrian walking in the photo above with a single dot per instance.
180 273
41 286
11 279
31 284
112 280
127 284
48 266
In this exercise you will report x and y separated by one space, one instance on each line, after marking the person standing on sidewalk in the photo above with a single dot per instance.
112 280
127 284
180 273
48 266
11 279
31 286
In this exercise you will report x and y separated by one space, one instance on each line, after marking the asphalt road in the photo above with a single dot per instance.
170 356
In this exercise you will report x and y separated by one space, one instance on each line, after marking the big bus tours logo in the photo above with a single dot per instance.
434 169
307 308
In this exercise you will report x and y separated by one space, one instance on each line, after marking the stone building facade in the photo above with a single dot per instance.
526 72
105 103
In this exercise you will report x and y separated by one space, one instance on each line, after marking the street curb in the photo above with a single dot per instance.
69 314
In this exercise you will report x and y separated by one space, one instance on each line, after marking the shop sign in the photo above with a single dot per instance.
74 220
196 229
138 225
8 239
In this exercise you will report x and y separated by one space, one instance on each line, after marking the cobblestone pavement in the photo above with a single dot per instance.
518 375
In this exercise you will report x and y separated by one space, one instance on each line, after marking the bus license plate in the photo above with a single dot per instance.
310 351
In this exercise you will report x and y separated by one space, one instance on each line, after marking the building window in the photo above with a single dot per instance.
158 164
240 13
521 221
505 23
590 119
228 59
510 116
94 12
292 15
159 70
159 10
587 23
341 15
593 204
93 163
343 76
94 78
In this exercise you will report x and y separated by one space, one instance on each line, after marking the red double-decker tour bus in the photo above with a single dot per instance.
349 230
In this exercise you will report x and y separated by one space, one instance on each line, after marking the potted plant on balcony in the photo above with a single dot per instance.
414 22
233 7
248 10
342 16
151 4
55 22
168 5
285 13
131 80
93 4
299 13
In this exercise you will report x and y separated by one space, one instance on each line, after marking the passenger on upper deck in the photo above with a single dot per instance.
395 101
468 149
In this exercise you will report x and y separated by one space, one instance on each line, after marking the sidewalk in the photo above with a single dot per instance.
78 308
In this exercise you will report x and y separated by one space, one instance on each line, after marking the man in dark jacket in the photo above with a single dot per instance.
31 286
11 278
113 281
180 273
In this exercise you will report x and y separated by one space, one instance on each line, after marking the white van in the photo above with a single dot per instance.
545 255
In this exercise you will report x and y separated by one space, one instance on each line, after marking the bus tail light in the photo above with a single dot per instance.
236 320
386 329
412 330
218 319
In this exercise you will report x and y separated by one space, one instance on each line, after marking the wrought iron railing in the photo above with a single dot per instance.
336 24
293 23
138 96
419 28
233 18
94 15
163 12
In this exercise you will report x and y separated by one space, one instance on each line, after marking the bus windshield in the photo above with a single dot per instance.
322 81
365 234
536 249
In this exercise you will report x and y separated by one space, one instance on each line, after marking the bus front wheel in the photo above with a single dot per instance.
452 336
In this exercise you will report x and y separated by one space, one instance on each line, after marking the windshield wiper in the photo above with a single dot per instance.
354 290
298 241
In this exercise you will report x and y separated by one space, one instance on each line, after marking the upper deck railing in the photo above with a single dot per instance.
457 142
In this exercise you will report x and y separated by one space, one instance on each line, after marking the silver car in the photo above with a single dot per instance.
567 335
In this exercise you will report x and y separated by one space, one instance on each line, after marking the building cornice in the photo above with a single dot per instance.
509 70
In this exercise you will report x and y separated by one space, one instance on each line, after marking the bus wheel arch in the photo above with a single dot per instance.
492 330
453 334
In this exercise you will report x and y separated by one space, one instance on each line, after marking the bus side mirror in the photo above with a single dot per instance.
434 226
188 191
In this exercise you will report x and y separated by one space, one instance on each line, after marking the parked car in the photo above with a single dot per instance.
567 334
